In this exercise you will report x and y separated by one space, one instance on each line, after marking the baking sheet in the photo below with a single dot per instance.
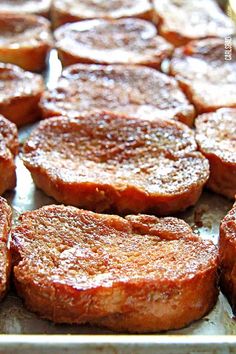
216 332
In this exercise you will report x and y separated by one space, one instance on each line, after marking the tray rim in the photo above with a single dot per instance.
155 338
119 344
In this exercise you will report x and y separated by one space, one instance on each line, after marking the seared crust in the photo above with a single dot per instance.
5 259
227 247
8 149
130 89
24 40
216 137
124 41
103 161
37 7
180 21
20 94
206 73
64 11
139 274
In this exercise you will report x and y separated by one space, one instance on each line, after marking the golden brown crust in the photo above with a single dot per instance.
124 41
103 161
216 137
227 247
134 90
24 40
64 11
206 74
82 267
26 7
20 94
180 21
5 259
8 149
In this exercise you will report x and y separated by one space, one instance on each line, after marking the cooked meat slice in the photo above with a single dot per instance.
5 260
20 94
181 21
8 149
125 41
136 274
64 11
103 161
227 247
134 90
37 7
207 73
216 137
24 40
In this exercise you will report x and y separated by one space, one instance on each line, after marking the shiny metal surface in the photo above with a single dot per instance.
24 332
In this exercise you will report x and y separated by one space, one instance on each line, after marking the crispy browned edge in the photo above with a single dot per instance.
32 59
102 198
59 18
22 110
187 118
51 304
68 59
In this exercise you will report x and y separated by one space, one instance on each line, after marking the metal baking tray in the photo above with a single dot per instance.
24 332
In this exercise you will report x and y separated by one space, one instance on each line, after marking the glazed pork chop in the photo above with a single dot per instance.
138 274
103 161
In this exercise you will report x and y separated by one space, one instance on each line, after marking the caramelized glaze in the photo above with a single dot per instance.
109 156
134 90
227 248
125 41
73 258
216 137
207 77
181 21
